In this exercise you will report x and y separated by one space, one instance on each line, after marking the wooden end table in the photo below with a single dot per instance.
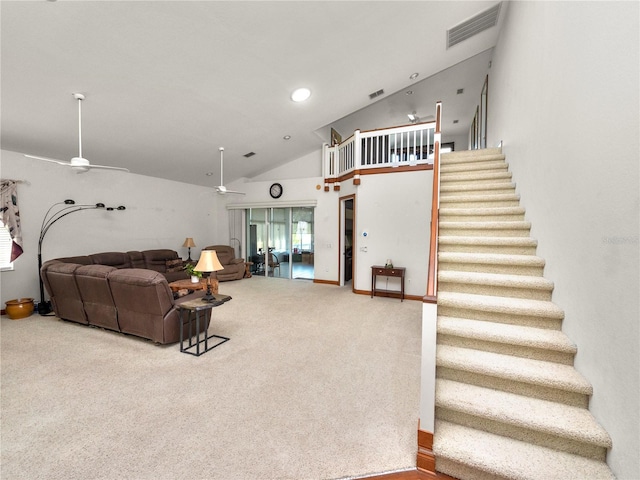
247 269
187 284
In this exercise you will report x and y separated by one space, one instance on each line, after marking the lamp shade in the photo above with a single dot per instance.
208 262
188 242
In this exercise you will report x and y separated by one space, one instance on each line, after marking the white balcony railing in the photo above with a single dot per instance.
387 147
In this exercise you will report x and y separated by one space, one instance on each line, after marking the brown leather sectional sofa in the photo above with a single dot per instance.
123 291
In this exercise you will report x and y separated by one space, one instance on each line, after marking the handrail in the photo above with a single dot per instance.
432 276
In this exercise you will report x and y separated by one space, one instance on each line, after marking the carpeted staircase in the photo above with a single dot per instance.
509 403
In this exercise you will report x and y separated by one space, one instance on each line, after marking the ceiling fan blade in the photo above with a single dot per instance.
106 167
46 159
222 190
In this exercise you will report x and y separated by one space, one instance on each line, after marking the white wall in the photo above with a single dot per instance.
159 214
394 208
395 211
563 96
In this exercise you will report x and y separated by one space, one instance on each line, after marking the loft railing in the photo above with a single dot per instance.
388 147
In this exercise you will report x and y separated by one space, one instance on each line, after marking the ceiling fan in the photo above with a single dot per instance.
221 189
79 164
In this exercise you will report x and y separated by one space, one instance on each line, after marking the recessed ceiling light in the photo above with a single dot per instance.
208 174
409 92
287 137
300 95
414 76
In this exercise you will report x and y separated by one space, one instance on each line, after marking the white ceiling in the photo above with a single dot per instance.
167 83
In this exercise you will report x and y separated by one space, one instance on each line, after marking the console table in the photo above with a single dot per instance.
377 270
193 308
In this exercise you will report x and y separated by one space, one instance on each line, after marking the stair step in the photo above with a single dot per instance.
466 453
550 381
541 422
477 189
514 311
478 200
476 166
521 341
480 177
462 156
485 229
482 283
504 245
506 264
481 214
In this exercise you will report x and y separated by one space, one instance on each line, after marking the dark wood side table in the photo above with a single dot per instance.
193 308
387 272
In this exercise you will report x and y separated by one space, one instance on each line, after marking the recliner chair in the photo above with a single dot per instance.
234 268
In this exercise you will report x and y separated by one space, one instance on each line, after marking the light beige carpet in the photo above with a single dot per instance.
315 383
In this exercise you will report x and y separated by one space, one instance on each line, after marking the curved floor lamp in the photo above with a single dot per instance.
48 220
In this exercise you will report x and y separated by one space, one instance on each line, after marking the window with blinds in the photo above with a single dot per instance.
5 248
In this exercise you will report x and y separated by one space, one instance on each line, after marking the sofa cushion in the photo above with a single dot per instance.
80 260
96 295
112 259
157 259
137 259
64 292
175 265
143 300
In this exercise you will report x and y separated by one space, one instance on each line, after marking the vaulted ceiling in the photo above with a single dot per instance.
168 82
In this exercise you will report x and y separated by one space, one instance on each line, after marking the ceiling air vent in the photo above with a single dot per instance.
250 154
473 26
376 94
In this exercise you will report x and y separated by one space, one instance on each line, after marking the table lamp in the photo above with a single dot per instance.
188 242
208 263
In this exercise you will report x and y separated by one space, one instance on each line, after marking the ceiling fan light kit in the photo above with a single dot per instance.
79 163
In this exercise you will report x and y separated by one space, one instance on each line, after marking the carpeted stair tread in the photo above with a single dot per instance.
507 305
493 225
518 335
565 421
495 280
481 211
480 200
523 370
503 457
481 189
490 164
488 227
491 259
475 176
470 156
488 241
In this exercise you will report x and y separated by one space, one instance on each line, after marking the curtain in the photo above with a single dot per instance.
11 215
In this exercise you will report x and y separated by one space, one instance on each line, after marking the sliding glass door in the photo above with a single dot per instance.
302 243
280 242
